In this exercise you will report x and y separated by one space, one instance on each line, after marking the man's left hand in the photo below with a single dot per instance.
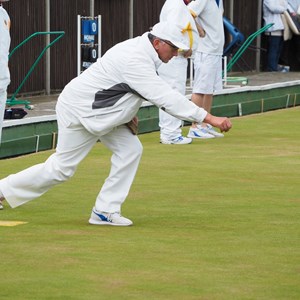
133 125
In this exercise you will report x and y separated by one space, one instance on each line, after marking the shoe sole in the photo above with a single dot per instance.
217 135
201 137
175 143
171 143
165 143
94 222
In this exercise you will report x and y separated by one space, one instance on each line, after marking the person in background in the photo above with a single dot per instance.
100 104
290 54
294 43
4 71
175 71
4 52
207 62
294 6
272 10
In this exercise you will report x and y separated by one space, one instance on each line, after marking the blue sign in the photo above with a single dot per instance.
89 27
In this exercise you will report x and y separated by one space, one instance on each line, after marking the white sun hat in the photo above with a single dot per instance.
171 32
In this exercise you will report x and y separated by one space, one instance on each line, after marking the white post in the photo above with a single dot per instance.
92 8
99 36
131 19
47 41
231 15
225 70
258 42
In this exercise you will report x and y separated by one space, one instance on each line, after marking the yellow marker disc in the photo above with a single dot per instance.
11 223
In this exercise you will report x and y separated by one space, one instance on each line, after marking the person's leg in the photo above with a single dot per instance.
284 58
198 99
280 48
199 131
126 153
218 86
74 143
274 44
198 95
205 76
271 55
203 100
296 40
206 67
175 74
170 127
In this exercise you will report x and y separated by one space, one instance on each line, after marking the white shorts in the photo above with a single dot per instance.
208 73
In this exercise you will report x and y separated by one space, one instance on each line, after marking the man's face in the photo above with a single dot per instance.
165 50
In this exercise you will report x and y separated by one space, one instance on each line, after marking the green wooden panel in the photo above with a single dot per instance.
29 138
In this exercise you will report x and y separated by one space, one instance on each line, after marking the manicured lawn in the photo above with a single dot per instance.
217 219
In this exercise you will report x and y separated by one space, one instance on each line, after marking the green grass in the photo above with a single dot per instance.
217 219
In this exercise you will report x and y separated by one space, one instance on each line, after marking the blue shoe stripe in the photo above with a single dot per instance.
177 139
195 134
102 217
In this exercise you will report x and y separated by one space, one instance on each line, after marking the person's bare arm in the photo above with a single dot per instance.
200 30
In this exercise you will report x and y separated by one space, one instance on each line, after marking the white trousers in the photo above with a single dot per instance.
175 74
3 98
170 127
74 143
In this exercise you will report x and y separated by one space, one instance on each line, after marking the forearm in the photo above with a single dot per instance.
222 123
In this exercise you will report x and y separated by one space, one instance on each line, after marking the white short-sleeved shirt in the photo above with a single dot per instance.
210 17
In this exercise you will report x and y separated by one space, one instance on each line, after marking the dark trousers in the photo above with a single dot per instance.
274 50
291 53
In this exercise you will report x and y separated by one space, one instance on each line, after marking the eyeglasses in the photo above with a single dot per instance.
170 44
